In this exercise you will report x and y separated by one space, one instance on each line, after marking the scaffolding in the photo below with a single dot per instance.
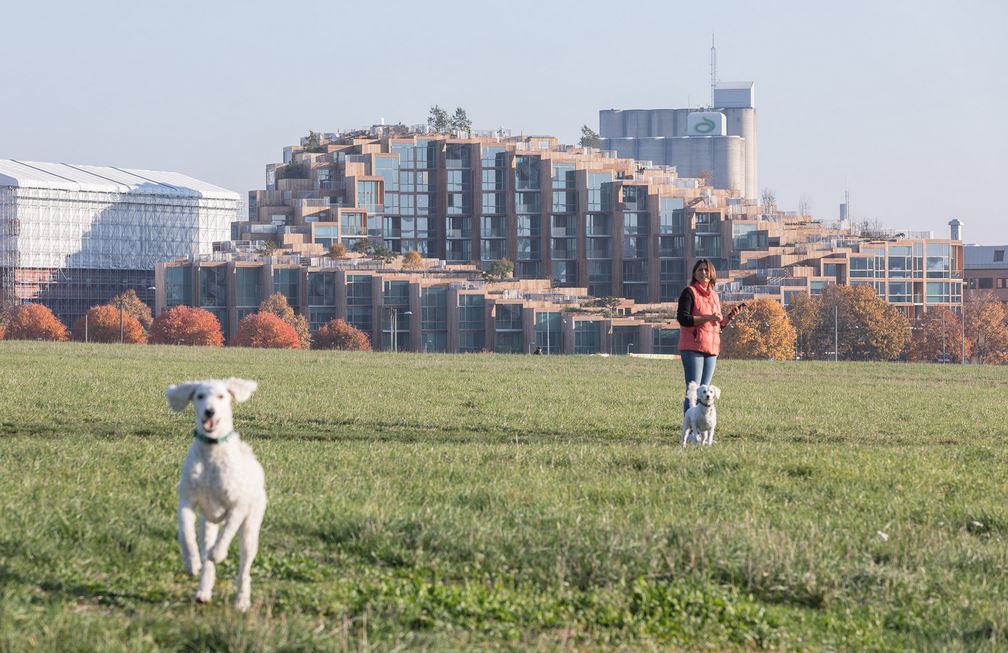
74 236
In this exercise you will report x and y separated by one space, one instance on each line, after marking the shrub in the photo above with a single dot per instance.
36 322
101 324
412 260
267 331
277 305
337 334
134 306
185 325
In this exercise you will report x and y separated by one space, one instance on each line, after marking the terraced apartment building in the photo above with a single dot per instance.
579 217
439 308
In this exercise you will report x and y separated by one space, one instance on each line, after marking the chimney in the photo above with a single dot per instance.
955 229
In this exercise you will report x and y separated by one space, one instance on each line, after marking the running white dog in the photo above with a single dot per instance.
222 478
701 417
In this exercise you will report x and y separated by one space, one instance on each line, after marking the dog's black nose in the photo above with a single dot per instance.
209 412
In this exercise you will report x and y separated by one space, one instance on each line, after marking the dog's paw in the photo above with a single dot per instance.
242 603
203 597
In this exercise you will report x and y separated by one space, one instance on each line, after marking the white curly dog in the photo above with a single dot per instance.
701 417
223 480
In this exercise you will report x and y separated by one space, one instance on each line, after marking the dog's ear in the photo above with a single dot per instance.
179 395
717 391
240 389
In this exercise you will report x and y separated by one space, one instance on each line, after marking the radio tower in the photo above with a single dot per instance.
713 69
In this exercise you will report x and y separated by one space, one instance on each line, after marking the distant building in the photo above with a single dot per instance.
439 309
73 236
718 144
986 269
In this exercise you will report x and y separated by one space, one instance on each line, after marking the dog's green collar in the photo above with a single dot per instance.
205 440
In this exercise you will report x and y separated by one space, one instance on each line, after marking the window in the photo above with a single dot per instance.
321 288
586 337
433 309
248 286
666 341
548 332
358 290
708 223
985 283
508 317
471 313
213 286
285 282
178 286
999 255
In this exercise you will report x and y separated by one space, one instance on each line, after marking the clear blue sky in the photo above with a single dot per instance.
900 102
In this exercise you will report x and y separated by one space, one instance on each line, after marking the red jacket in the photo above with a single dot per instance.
704 338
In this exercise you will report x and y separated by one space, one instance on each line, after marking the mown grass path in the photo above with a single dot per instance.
448 502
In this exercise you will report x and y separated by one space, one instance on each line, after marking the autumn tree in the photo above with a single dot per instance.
986 322
412 260
805 313
134 306
762 330
267 331
337 334
185 325
102 324
36 322
867 327
337 250
938 338
277 304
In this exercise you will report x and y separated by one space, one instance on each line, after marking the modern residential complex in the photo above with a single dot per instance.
72 236
437 309
577 216
718 143
580 217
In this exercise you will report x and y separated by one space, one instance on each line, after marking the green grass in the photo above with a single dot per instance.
510 502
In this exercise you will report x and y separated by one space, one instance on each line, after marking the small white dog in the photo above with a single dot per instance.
222 478
701 417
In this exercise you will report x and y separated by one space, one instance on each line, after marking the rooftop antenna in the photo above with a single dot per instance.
713 68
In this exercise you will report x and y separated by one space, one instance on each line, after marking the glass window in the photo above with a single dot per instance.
178 286
708 223
213 285
586 337
671 246
492 249
358 290
248 283
635 198
396 293
472 310
598 248
706 246
548 332
433 308
666 340
321 288
508 317
564 176
285 282
527 173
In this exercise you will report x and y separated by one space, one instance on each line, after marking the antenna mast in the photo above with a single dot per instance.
713 68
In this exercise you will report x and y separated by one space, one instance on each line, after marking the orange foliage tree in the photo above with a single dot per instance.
134 306
277 305
938 338
987 328
101 324
805 313
337 334
36 322
267 331
412 260
185 325
867 327
761 330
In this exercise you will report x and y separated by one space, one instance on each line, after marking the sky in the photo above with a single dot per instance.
896 102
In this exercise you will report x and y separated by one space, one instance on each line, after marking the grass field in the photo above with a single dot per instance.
447 502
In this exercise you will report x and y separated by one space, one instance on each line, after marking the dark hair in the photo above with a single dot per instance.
711 272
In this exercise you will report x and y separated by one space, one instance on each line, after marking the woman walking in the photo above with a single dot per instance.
700 324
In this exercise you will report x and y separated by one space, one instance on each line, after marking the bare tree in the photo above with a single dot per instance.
768 200
803 205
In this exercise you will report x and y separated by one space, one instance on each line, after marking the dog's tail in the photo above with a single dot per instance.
691 391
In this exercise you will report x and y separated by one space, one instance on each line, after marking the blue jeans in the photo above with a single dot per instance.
698 367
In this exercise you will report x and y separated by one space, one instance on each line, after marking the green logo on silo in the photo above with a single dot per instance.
705 126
